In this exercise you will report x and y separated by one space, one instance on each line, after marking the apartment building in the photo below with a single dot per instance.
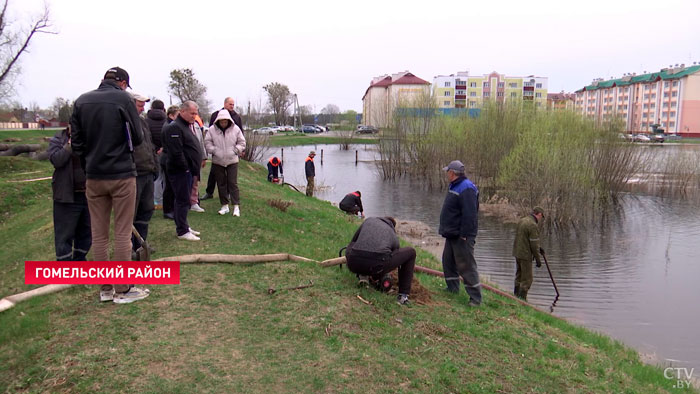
561 101
461 90
388 92
669 97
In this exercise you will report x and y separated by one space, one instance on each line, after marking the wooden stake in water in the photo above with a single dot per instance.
321 156
355 156
282 155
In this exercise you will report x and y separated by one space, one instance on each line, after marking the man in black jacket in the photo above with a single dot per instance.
155 117
229 106
105 129
459 225
146 169
71 217
310 170
352 204
183 162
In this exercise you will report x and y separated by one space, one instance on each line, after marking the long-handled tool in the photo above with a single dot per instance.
550 273
143 251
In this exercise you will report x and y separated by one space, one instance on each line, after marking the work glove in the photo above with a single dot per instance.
538 263
542 251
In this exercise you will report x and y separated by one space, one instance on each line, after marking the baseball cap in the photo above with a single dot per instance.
538 210
455 165
313 152
140 97
118 74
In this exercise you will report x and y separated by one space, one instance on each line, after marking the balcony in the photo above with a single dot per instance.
460 97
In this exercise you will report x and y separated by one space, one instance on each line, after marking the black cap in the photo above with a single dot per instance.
118 74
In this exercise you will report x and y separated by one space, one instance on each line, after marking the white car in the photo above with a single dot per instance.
266 130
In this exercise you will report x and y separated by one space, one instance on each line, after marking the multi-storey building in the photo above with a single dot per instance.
388 92
463 91
669 97
561 100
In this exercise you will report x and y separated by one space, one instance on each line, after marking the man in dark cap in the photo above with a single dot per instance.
526 246
310 170
459 225
105 129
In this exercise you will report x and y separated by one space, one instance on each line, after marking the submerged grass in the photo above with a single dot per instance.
220 331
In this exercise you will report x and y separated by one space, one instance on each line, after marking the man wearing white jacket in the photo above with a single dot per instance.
225 142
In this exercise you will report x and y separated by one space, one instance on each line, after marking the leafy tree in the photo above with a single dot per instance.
14 41
185 86
279 98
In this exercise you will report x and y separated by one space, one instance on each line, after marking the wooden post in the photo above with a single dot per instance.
355 156
282 158
321 156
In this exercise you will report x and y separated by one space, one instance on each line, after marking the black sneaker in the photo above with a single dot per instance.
169 216
206 196
402 299
474 304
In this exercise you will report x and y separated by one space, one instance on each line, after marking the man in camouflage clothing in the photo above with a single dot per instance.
526 247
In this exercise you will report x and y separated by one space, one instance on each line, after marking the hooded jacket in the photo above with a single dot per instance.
105 127
526 245
156 120
224 145
65 172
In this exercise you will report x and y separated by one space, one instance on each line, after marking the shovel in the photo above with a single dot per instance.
143 252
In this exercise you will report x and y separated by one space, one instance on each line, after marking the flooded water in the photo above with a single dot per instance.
635 276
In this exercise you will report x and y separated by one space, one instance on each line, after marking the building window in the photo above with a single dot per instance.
487 94
653 105
675 83
647 87
472 104
672 124
673 114
653 96
460 92
664 114
644 115
512 85
646 97
626 90
673 104
513 94
500 94
501 84
529 84
538 94
472 84
674 94
447 84
666 84
624 107
446 103
646 106
538 86
448 93
665 94
472 94
486 84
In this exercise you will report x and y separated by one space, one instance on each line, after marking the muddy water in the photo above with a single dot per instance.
634 276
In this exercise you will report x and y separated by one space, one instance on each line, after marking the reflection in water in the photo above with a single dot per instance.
633 274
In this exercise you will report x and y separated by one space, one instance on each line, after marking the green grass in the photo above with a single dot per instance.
305 139
220 331
29 136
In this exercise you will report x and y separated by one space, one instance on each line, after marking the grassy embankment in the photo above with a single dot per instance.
305 139
219 330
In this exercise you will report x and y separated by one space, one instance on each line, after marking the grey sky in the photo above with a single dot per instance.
328 51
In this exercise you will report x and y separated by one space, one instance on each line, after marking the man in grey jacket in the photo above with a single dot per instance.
374 251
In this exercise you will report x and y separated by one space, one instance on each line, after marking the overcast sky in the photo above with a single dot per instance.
328 51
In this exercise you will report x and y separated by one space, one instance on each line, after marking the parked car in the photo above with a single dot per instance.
658 137
323 129
265 130
367 130
309 129
313 126
641 138
673 137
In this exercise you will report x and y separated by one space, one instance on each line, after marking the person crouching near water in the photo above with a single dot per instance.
225 142
374 251
352 204
274 169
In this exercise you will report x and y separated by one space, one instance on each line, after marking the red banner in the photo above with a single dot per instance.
102 272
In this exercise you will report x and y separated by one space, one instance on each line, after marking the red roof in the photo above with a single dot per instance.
382 83
410 79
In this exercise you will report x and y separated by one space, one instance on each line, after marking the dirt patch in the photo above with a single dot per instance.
419 294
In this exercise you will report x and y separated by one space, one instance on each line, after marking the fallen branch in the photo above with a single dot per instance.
273 291
363 300
332 262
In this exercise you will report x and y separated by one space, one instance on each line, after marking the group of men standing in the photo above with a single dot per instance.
112 161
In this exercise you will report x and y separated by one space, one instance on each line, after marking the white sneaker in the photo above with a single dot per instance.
188 237
236 211
134 294
196 208
106 295
195 232
224 210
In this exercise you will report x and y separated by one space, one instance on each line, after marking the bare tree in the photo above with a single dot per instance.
331 112
14 42
185 86
280 98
